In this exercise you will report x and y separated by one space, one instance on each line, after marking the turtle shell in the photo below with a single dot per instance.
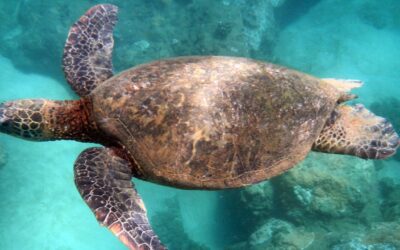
213 122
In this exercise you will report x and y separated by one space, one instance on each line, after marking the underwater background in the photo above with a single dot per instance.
326 202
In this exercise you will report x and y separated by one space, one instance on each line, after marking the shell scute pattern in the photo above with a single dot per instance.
212 122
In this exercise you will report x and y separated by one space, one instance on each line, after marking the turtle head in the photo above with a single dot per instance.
45 120
22 118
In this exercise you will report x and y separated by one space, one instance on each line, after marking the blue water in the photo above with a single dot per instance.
41 209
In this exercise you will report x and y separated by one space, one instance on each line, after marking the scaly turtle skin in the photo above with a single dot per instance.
192 122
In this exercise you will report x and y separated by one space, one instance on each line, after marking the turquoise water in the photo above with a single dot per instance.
329 202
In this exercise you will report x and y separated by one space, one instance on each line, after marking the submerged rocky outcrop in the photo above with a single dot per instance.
326 202
35 31
390 206
277 234
169 227
327 187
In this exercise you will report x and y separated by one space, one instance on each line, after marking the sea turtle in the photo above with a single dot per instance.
205 122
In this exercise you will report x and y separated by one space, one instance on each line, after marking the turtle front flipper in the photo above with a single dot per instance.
88 50
354 130
103 178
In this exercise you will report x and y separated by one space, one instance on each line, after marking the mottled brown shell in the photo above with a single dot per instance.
213 122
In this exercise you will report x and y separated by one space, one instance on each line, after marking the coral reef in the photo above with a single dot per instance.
379 236
326 202
390 206
282 235
384 233
147 30
277 234
259 22
31 44
326 186
169 227
259 200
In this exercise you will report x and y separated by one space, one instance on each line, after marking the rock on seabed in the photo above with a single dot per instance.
326 202
146 31
326 186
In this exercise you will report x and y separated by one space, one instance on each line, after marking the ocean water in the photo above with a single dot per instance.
328 202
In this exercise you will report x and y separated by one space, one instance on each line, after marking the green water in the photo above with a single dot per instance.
41 208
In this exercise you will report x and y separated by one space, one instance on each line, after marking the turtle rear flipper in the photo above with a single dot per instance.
88 50
344 86
103 179
354 130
